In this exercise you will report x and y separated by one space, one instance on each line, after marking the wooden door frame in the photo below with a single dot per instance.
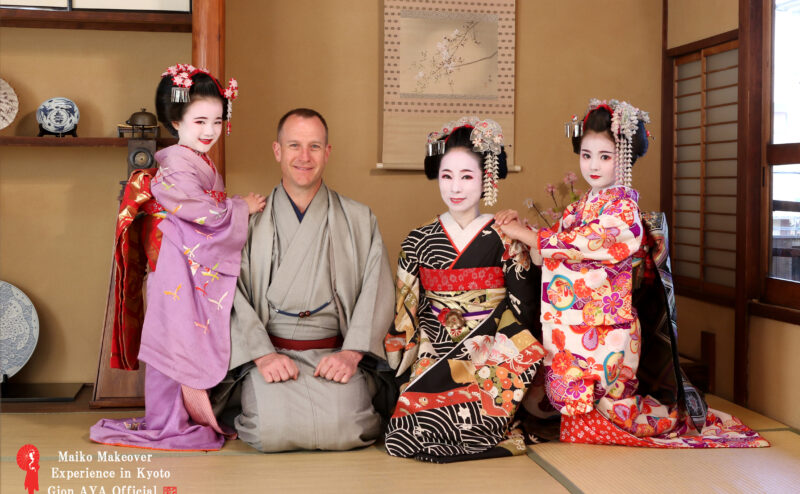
208 50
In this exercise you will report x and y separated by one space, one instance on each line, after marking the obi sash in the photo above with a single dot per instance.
302 345
462 298
457 280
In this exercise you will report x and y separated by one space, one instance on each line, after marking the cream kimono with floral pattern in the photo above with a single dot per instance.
589 328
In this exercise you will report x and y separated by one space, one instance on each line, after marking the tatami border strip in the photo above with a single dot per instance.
197 454
777 429
103 411
163 454
554 472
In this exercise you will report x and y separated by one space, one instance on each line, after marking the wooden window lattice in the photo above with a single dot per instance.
704 164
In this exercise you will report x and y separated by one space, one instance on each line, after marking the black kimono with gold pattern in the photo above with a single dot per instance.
464 337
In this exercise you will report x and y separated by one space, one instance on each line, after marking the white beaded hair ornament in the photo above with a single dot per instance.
182 74
487 139
625 122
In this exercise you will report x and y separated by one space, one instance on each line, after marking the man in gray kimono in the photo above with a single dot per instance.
315 296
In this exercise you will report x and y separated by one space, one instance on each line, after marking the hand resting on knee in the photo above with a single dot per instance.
275 367
339 366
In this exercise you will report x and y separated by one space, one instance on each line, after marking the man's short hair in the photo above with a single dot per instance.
304 113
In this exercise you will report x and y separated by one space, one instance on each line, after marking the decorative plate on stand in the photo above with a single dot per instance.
19 329
9 104
58 115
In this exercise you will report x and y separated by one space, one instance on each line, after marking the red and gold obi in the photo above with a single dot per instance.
462 298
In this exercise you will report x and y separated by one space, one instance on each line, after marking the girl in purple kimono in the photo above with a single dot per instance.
186 332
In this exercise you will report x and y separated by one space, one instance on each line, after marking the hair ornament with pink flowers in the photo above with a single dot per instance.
182 75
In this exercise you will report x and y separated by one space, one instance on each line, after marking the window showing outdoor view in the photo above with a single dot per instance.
786 129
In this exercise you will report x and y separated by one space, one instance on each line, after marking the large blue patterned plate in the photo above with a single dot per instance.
19 329
58 115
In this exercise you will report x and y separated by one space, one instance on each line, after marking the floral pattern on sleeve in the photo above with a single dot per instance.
587 260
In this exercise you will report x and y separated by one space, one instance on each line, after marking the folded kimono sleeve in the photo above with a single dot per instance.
611 237
182 194
523 284
402 340
249 337
372 313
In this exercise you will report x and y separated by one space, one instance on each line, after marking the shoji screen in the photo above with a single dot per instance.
704 166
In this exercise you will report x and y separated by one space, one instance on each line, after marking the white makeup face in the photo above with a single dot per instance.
201 124
598 160
460 181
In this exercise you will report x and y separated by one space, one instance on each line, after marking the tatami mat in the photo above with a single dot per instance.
753 420
239 468
618 470
550 467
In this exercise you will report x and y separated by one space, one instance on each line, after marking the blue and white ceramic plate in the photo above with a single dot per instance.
58 115
19 329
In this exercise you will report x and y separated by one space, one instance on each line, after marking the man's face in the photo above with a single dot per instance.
303 152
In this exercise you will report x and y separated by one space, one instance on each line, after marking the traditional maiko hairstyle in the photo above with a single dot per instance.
183 83
621 122
482 137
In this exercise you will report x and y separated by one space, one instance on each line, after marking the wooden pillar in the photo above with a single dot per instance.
208 50
749 202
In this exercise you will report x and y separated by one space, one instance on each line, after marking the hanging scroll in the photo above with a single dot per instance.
443 59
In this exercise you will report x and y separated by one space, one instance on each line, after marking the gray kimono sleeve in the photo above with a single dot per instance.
374 309
249 338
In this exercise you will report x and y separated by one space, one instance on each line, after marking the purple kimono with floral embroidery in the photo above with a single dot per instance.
186 332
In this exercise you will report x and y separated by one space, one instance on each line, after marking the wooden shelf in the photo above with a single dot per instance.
77 141
172 22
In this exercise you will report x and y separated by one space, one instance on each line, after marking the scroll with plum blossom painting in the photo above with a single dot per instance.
444 59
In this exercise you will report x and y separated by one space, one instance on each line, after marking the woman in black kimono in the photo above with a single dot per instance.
463 340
